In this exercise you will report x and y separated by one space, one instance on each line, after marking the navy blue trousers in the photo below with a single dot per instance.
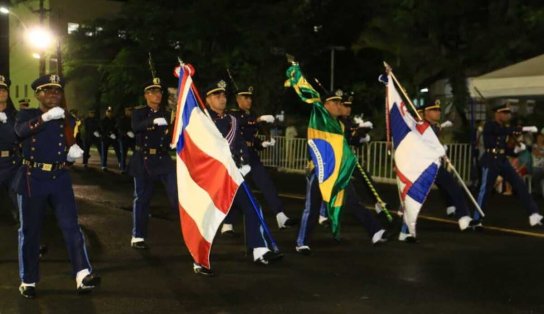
312 206
125 143
105 146
59 194
453 192
254 232
143 190
491 168
87 143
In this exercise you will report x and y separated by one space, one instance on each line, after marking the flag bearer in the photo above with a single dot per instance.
43 180
494 162
228 125
444 180
333 106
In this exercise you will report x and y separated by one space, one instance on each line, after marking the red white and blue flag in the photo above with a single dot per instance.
207 177
417 155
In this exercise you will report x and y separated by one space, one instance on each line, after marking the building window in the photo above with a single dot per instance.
16 91
72 27
26 90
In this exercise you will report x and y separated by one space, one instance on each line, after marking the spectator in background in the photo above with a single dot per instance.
538 163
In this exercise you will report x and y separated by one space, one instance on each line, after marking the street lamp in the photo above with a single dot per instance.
37 37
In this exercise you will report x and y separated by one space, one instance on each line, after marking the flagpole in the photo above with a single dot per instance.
374 192
476 205
389 70
261 218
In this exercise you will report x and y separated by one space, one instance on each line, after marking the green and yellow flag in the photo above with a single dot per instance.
328 148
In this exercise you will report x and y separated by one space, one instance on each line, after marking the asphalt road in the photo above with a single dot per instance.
499 270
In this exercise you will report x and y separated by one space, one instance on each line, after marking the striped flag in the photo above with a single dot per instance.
417 155
207 177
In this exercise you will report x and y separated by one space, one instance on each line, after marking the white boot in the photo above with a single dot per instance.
281 218
535 219
378 237
464 222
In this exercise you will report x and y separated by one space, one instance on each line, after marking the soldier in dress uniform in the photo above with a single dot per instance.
109 135
249 127
43 179
126 136
228 125
151 161
445 181
333 104
24 103
10 159
91 135
494 162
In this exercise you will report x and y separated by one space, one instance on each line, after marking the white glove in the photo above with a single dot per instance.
365 139
113 137
160 121
519 148
3 117
266 118
446 124
96 134
74 153
130 134
280 116
358 120
53 114
245 169
445 147
531 129
266 144
366 125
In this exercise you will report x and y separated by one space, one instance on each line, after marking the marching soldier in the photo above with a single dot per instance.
126 136
150 161
227 124
333 104
249 124
91 135
43 179
109 138
494 162
10 159
444 180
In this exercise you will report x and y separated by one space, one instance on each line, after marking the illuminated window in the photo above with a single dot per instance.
72 27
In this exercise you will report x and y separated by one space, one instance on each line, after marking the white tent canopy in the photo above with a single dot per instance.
525 78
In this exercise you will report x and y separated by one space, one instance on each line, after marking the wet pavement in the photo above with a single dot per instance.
499 270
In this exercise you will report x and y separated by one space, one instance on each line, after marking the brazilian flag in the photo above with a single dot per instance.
331 155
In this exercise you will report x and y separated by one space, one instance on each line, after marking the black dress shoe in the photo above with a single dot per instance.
269 257
88 283
303 250
291 222
140 245
203 271
476 225
28 292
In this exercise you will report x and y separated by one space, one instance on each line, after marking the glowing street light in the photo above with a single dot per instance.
40 38
36 55
4 10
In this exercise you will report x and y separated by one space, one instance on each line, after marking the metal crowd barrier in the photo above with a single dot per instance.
291 155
